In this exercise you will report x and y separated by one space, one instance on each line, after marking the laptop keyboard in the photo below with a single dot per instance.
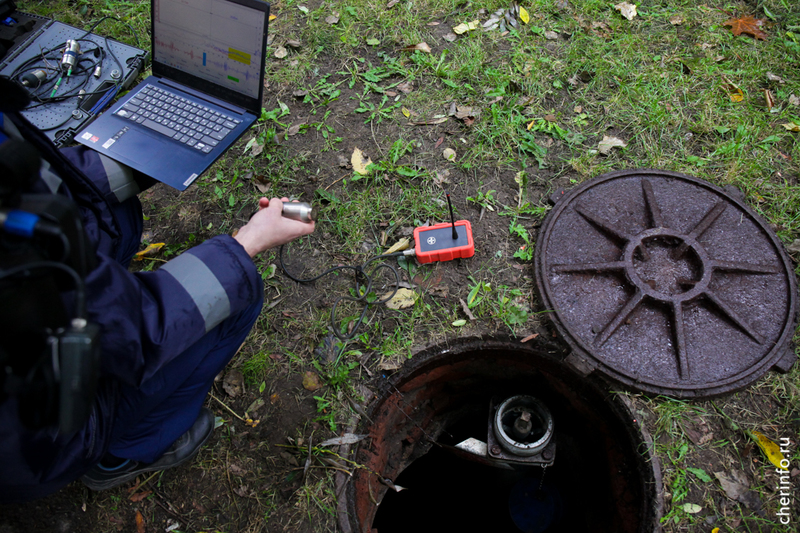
178 118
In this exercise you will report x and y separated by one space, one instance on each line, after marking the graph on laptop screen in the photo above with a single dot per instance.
212 39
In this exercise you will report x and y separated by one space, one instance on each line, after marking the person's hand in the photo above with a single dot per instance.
268 228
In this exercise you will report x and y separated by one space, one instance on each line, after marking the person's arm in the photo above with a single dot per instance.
148 318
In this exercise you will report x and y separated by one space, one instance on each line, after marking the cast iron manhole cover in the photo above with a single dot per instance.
666 283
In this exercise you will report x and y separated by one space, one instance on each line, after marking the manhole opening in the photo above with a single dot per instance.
602 477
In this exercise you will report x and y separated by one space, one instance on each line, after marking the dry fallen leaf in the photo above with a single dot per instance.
794 100
392 3
294 129
360 162
449 154
139 522
405 87
150 251
464 27
748 25
332 19
422 47
450 37
737 488
770 449
626 10
233 383
733 91
291 43
430 122
403 299
691 508
550 35
775 78
676 20
402 244
791 126
769 99
605 146
139 496
280 52
311 381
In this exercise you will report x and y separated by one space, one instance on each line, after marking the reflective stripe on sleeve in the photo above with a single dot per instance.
120 179
203 286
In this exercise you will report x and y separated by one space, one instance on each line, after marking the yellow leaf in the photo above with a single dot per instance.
406 112
402 244
531 123
464 27
360 162
770 449
791 126
715 530
150 251
523 15
273 17
403 299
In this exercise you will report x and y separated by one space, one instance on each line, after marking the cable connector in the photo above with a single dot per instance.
410 252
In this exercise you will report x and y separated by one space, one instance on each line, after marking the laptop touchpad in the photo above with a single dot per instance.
139 147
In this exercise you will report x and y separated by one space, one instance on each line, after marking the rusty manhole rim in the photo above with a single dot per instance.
552 351
781 356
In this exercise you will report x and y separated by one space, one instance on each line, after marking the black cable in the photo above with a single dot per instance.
360 275
80 288
41 61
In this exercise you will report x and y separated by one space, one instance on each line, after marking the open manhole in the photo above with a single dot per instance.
667 284
596 472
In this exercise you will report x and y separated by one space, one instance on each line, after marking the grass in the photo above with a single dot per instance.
665 83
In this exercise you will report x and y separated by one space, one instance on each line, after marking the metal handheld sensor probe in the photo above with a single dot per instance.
299 211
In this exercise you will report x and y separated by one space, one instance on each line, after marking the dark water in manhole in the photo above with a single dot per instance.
602 479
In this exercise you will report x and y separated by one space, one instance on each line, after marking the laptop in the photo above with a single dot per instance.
205 90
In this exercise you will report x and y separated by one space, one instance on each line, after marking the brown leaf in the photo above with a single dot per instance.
442 176
291 43
139 522
769 99
294 129
311 381
406 87
422 47
236 470
233 382
430 122
748 25
529 338
139 496
392 3
261 183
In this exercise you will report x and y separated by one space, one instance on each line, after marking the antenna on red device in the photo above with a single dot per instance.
452 218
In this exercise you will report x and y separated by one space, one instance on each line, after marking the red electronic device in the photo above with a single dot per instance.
445 241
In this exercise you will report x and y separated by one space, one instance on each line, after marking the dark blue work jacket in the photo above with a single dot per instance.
146 318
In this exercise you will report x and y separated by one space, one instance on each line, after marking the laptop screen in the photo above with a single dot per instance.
220 42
